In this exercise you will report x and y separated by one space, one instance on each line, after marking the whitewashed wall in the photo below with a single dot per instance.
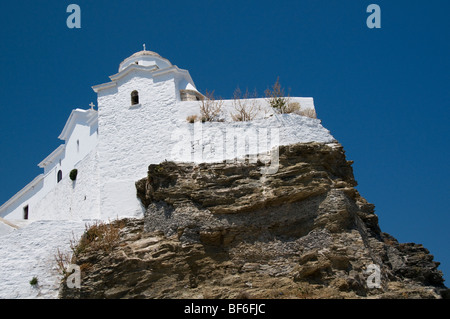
5 228
131 138
73 200
47 186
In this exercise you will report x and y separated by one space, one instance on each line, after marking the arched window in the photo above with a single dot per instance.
134 98
59 178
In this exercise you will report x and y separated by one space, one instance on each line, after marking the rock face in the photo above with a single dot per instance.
227 231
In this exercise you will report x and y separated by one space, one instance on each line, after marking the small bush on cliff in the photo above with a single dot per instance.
99 236
277 98
63 260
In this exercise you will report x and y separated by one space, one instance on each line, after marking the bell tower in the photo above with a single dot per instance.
135 114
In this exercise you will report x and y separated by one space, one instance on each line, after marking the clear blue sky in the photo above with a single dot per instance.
383 93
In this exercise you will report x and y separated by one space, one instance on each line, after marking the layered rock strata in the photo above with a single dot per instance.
224 230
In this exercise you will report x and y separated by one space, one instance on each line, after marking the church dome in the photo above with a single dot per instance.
145 52
145 58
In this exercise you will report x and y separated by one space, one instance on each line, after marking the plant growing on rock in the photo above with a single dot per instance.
277 98
99 236
63 260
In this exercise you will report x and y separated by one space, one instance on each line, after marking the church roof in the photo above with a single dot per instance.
148 61
144 52
85 116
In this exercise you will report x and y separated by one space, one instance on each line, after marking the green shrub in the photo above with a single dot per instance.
73 174
34 281
277 98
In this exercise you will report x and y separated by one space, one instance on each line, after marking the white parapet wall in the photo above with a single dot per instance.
260 107
199 143
132 138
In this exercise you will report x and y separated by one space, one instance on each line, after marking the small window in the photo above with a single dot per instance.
78 146
134 98
25 212
59 178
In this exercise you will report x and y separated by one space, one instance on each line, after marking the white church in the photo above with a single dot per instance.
141 119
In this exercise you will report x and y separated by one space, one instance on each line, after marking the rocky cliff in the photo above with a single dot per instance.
227 231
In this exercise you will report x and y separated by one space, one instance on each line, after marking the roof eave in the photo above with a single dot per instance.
49 159
100 87
33 183
91 115
134 67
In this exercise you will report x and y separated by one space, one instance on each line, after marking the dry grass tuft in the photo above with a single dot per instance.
210 108
309 113
99 236
193 118
295 108
246 109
